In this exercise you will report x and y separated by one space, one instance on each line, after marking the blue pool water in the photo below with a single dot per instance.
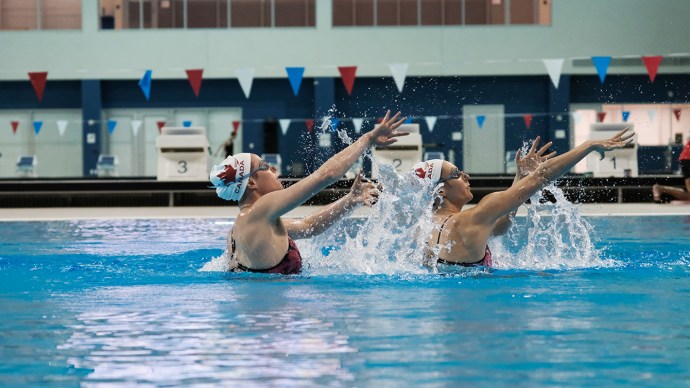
124 302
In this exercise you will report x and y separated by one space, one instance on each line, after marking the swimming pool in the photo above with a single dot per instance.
121 302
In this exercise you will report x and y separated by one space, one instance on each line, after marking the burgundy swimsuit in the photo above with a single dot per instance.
291 264
485 261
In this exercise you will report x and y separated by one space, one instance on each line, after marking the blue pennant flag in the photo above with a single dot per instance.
111 126
602 65
334 124
187 124
295 75
37 126
145 84
625 116
480 120
408 121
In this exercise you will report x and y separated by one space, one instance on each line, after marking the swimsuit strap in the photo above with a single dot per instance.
441 228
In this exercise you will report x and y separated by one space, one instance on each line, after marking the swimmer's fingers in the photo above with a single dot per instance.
518 156
544 148
535 143
549 156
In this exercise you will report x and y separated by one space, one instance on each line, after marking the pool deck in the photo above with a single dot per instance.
39 214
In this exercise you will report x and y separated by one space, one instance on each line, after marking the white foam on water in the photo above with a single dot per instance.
552 236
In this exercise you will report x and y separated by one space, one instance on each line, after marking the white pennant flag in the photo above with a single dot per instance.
136 124
399 72
431 122
246 77
284 125
62 126
554 67
652 114
358 124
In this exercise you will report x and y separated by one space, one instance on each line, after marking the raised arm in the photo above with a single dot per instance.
496 205
275 204
362 193
524 166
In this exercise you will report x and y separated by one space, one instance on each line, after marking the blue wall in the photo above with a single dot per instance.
422 96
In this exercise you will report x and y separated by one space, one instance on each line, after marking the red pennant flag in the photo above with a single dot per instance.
38 81
652 64
601 116
347 73
15 125
528 120
310 125
379 120
160 124
194 76
235 126
677 113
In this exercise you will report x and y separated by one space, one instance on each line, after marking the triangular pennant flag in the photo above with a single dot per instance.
195 76
651 114
602 66
626 114
601 116
408 120
235 126
347 73
576 117
334 124
676 112
431 122
111 126
160 125
136 124
62 127
399 72
357 124
186 123
284 125
38 81
310 125
145 84
246 77
554 68
480 120
37 126
528 120
379 120
15 125
295 75
652 64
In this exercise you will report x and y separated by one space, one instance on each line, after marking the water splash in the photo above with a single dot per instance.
390 240
552 236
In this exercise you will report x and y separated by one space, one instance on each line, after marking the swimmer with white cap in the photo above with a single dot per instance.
260 240
462 236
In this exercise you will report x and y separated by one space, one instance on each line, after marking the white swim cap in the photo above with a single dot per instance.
431 169
230 177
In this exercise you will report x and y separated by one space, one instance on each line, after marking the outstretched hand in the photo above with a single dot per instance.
533 158
385 133
364 191
619 140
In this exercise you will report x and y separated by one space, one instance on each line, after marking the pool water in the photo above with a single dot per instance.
124 302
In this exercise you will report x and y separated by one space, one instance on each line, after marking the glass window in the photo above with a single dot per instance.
343 13
497 12
396 12
522 12
207 13
363 12
250 13
18 15
61 14
295 13
476 12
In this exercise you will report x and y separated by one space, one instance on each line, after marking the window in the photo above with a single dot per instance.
440 12
138 14
40 14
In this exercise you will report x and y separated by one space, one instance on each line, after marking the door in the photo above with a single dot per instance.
483 147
